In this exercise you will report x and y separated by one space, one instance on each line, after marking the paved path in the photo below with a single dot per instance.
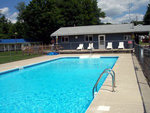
11 65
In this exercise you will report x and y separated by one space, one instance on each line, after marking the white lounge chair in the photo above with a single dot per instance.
80 47
121 45
90 46
109 45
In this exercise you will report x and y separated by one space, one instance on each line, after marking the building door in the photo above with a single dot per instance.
101 41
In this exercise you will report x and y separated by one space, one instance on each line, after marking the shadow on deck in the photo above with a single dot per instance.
94 51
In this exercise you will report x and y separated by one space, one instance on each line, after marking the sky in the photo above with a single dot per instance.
117 11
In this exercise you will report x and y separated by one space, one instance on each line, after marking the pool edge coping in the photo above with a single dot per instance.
41 62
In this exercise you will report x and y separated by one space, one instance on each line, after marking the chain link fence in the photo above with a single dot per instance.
128 44
20 53
143 56
14 53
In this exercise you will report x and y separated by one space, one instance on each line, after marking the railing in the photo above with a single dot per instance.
109 72
10 54
143 55
128 44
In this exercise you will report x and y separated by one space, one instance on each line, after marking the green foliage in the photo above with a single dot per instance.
147 16
43 17
80 12
4 27
40 18
137 22
20 7
4 36
10 30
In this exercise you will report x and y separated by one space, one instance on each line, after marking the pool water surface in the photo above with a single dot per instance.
59 86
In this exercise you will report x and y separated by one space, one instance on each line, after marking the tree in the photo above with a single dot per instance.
20 7
20 26
8 29
91 12
147 16
42 17
80 12
137 22
4 27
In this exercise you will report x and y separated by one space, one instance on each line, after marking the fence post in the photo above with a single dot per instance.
42 49
70 46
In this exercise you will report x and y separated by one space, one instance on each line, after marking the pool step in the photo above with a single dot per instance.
90 56
21 68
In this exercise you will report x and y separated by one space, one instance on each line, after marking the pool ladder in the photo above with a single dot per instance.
109 72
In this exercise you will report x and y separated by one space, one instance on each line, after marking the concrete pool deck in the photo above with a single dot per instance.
125 99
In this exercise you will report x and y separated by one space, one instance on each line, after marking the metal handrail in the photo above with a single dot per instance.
110 72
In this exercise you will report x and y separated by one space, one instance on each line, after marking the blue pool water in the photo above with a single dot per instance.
59 86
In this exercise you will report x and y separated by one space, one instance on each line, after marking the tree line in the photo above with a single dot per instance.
38 19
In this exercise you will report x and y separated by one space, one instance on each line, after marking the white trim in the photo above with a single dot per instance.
99 41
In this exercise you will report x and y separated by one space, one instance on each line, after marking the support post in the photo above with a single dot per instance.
4 48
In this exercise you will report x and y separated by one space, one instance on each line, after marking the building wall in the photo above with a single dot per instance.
9 47
12 47
74 43
115 39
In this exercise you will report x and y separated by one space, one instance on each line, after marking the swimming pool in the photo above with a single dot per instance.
62 85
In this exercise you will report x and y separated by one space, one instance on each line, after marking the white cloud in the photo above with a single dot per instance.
107 20
11 17
14 15
114 8
123 19
138 3
4 10
132 17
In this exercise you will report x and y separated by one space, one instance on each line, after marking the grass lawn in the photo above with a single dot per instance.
11 56
144 44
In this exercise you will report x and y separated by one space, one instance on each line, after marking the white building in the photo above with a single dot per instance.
14 44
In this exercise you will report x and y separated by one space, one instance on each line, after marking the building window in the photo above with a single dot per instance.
88 38
65 39
127 37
